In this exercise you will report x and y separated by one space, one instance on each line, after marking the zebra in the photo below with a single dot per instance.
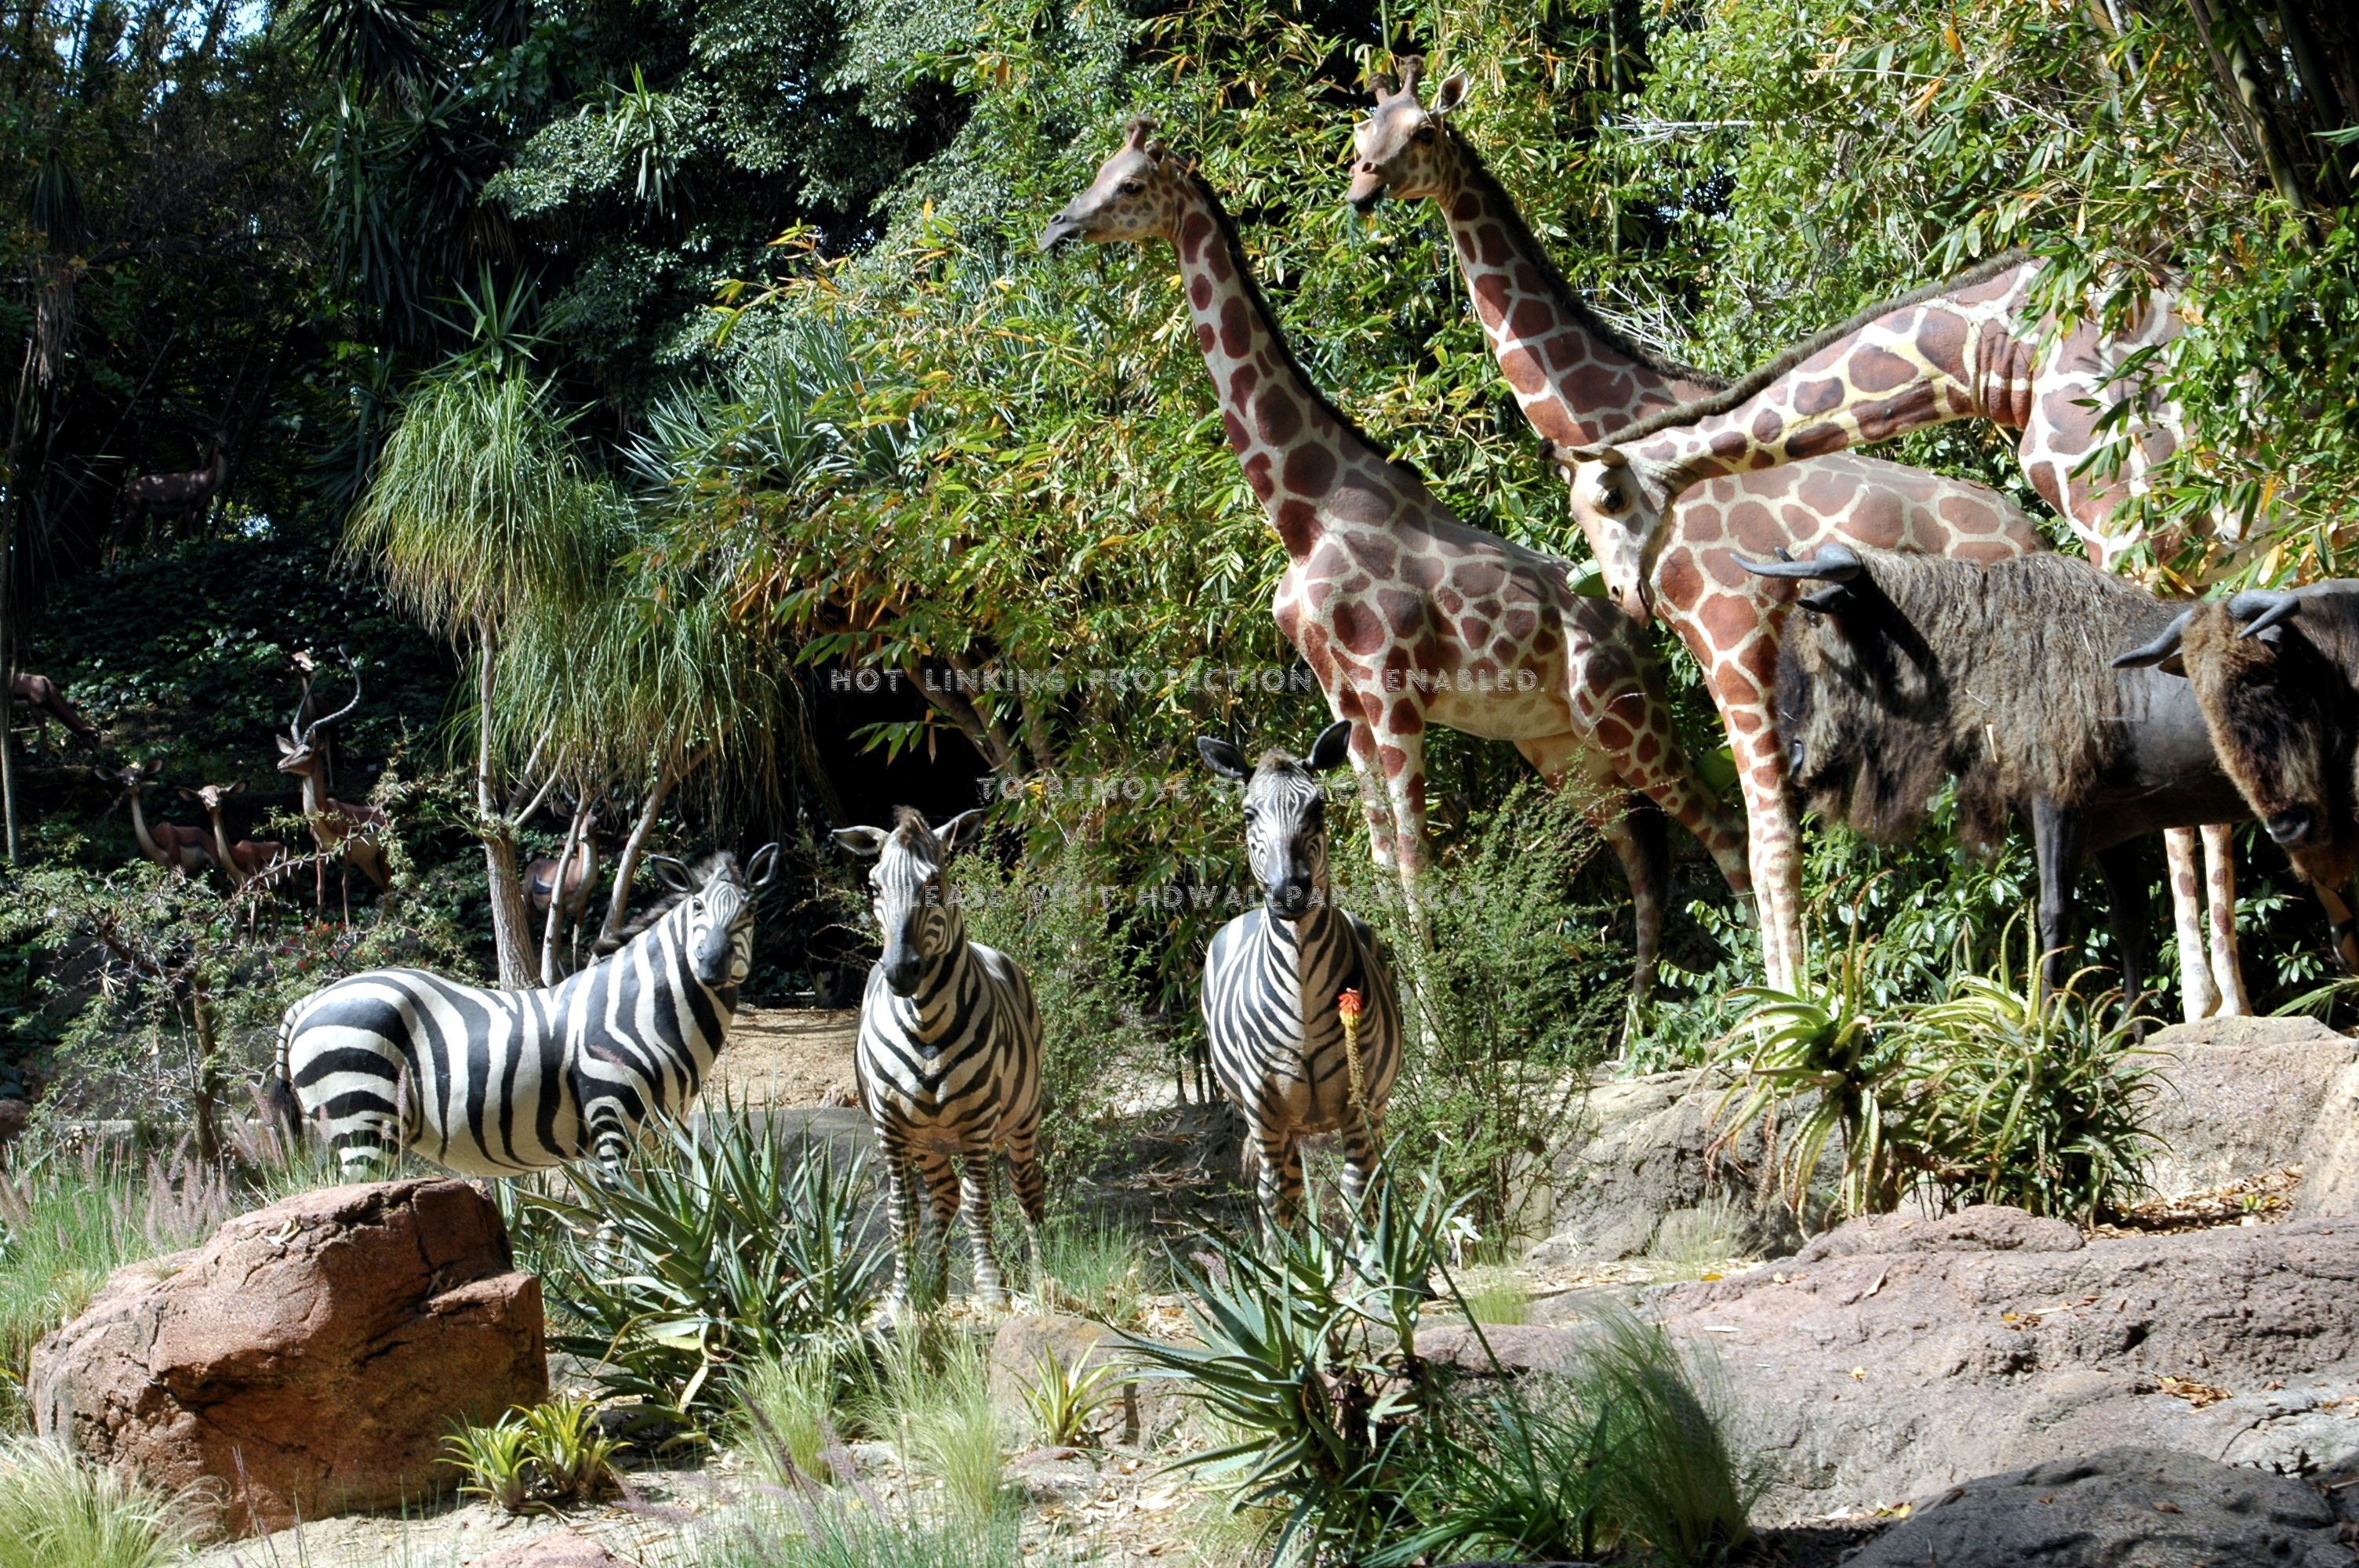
948 1059
500 1083
1274 982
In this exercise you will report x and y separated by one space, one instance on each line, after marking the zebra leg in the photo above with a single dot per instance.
942 1195
1277 1183
367 1148
1362 1159
974 1204
1031 1185
901 1179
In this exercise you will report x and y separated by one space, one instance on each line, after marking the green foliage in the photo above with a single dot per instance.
1094 1267
1512 986
1623 1453
1064 1398
552 1454
927 1387
726 1241
61 1511
788 1404
831 1534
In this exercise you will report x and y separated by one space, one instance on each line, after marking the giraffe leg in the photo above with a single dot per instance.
974 1207
1629 717
2199 998
2220 904
1374 805
1633 830
1773 843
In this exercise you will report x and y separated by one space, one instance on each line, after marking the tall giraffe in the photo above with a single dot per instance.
1577 380
1975 346
1407 617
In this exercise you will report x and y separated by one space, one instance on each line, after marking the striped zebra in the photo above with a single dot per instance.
498 1083
1274 979
948 1059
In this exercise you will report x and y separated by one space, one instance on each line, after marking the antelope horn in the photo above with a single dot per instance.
303 737
2164 646
2264 607
1834 563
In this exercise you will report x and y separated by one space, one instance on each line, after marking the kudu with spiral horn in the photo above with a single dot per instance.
356 830
2275 673
1904 671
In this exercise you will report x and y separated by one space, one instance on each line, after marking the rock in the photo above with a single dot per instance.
1144 1405
558 1549
2237 1097
1054 1474
1869 1378
2123 1507
1985 1228
309 1359
2329 1152
1519 1347
16 1115
1649 1152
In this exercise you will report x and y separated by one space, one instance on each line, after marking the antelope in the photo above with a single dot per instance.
247 861
307 707
177 494
43 695
580 858
181 850
335 824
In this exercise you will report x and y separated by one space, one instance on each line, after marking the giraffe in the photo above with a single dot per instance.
1576 379
1975 346
1407 617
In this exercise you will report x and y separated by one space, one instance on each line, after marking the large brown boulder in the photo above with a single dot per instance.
307 1360
1893 1361
2237 1097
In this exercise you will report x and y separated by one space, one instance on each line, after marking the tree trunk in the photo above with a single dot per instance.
207 1093
626 863
557 899
511 927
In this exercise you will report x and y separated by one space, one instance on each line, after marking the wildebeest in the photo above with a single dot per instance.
2275 673
1910 669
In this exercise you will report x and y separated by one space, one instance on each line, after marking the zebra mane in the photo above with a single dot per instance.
718 866
909 822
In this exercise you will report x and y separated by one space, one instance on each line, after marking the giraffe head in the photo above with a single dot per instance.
1619 506
1404 148
1286 817
912 900
1138 194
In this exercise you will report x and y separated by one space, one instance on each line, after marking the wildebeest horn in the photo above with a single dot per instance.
1832 564
2163 647
2264 607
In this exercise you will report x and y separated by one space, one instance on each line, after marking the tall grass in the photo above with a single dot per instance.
931 1392
1094 1267
828 1535
58 1511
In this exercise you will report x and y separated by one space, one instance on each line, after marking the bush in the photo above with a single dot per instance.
725 1240
787 1405
826 1534
1511 995
928 1389
58 1511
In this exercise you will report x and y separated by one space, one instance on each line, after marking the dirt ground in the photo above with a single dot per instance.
789 1056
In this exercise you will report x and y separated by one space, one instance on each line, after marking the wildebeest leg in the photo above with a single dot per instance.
2125 890
2220 906
2338 931
2059 836
2199 998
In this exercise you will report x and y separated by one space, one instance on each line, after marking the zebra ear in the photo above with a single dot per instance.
672 874
1223 758
961 831
763 868
865 842
1333 747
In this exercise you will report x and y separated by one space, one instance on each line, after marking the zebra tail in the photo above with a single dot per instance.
278 1088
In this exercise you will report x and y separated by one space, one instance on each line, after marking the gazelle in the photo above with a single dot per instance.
44 696
570 893
335 824
177 494
247 861
181 851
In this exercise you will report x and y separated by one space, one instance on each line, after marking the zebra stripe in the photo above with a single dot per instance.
496 1083
949 1057
1273 978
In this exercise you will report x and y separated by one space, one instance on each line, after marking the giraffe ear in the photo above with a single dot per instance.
1450 95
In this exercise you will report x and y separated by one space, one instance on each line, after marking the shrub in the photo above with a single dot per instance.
928 1389
725 1239
1064 1397
1623 1450
552 1452
58 1511
787 1404
1511 993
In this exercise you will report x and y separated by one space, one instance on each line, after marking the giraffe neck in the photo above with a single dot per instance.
1295 446
1924 360
1576 380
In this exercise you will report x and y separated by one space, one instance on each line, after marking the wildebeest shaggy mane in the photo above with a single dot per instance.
1996 675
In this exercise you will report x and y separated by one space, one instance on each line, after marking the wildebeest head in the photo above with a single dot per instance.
1286 817
1861 701
912 900
2271 672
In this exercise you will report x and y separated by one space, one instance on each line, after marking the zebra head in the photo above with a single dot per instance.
716 909
1286 817
913 905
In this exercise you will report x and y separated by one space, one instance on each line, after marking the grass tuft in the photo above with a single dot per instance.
58 1511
